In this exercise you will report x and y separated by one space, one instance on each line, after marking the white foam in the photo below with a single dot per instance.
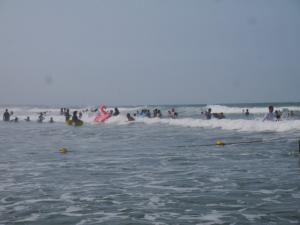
229 124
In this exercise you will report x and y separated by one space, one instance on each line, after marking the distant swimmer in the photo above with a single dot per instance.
62 111
67 114
219 115
6 115
155 112
130 118
51 120
41 118
208 114
278 115
16 120
148 113
173 114
158 115
75 117
247 112
117 112
27 119
270 115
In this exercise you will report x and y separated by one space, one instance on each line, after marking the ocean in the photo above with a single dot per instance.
151 171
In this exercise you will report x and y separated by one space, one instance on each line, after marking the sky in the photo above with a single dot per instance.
137 52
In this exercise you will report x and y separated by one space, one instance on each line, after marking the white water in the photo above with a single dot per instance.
188 117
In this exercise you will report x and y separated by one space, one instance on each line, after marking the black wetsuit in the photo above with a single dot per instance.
75 118
6 116
116 113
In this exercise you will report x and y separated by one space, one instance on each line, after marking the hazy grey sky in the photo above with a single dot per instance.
149 52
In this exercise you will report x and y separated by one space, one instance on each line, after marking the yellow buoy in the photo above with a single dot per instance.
220 143
63 151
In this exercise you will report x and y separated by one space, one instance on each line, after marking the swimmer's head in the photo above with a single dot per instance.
271 108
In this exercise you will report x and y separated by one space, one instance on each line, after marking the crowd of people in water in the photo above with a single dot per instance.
76 116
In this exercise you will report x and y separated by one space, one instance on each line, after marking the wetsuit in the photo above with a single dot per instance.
6 116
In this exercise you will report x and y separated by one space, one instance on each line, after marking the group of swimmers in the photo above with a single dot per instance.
208 114
7 117
275 116
144 113
156 113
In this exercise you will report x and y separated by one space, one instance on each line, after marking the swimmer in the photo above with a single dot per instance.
67 114
51 120
277 115
155 111
41 118
146 113
117 112
159 115
27 119
6 115
270 115
16 120
74 117
174 114
247 112
208 114
219 115
130 118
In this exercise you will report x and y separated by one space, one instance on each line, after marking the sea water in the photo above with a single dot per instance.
151 171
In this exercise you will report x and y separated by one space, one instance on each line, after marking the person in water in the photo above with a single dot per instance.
41 118
75 117
270 115
27 119
247 112
208 114
67 115
173 114
16 119
158 115
117 112
6 115
130 118
219 115
51 120
277 115
155 111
